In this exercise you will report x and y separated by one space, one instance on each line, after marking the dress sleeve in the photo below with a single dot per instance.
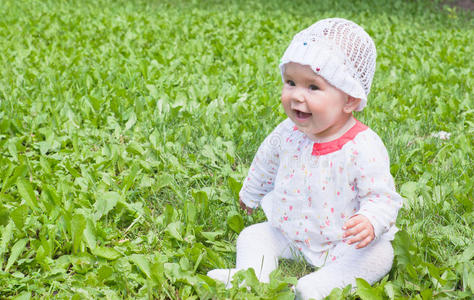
261 176
379 201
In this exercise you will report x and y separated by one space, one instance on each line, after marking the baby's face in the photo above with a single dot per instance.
316 107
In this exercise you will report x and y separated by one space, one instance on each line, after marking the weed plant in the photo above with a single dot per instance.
127 127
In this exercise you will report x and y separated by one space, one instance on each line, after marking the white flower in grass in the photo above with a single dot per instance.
443 135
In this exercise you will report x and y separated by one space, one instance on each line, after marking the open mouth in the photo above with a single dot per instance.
302 115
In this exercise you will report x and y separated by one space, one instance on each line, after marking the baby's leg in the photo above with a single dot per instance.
258 246
370 263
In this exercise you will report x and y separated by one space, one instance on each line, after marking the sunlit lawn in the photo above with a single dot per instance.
126 128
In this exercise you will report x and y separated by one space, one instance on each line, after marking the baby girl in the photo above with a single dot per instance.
321 177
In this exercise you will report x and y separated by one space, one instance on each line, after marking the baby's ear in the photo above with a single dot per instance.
351 104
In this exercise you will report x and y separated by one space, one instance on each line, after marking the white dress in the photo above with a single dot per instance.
308 190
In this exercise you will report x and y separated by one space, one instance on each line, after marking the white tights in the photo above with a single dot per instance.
260 246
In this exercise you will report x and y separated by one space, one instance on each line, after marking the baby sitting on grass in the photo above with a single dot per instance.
321 177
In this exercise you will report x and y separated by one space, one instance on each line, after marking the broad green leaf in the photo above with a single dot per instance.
106 252
83 262
408 190
44 146
235 222
94 103
202 199
172 271
209 153
104 272
19 215
104 203
152 90
184 264
162 106
26 192
41 255
412 271
89 235
130 178
71 169
426 294
190 212
154 139
235 186
135 148
198 260
51 192
211 236
6 176
366 292
19 171
142 263
16 251
122 265
468 253
390 290
157 271
170 214
163 180
248 276
13 150
175 230
336 294
404 247
78 223
63 262
131 121
23 296
468 276
4 215
7 234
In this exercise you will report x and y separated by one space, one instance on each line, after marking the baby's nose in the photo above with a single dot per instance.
298 95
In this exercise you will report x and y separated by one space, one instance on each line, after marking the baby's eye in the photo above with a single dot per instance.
313 87
290 82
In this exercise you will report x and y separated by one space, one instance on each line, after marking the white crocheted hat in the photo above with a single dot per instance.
338 50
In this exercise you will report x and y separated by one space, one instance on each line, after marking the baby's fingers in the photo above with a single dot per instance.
353 230
365 242
360 236
353 221
350 223
245 207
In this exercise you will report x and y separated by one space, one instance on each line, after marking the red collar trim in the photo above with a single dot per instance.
333 146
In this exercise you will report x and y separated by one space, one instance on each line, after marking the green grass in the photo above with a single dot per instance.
126 128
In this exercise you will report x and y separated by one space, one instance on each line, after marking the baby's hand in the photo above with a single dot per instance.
244 207
360 227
